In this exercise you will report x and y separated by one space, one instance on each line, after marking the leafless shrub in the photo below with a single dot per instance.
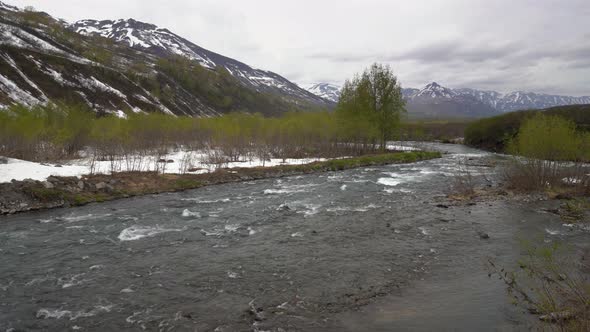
532 174
215 158
187 162
463 185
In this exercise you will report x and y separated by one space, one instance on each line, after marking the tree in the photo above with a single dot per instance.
373 103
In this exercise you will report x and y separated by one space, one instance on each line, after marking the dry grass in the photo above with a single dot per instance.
552 282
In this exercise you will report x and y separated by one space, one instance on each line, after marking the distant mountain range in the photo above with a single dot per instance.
120 67
126 66
435 100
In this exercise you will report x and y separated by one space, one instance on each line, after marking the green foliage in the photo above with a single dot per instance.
495 133
371 105
548 137
555 154
46 195
62 131
429 130
44 132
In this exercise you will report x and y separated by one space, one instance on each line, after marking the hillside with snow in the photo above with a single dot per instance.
124 67
327 91
162 42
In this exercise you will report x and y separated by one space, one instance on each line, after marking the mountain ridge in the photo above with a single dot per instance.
435 94
163 42
42 59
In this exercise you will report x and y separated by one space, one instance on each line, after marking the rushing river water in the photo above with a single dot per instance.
359 250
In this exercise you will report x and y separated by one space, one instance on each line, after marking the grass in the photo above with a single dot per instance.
370 160
183 184
47 195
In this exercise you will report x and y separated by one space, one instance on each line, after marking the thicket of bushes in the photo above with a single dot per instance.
65 131
551 152
495 133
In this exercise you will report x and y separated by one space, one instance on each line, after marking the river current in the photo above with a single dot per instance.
369 249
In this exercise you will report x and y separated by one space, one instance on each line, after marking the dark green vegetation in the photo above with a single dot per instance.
434 130
71 191
495 133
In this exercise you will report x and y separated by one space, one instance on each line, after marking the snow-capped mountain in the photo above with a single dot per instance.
43 60
434 90
476 103
163 42
529 100
490 98
327 91
435 100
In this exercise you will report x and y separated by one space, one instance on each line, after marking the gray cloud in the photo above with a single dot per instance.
501 44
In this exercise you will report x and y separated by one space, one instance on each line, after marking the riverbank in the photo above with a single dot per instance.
56 192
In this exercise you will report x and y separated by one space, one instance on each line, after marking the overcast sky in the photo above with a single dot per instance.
503 45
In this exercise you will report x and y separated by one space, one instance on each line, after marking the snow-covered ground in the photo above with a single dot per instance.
182 161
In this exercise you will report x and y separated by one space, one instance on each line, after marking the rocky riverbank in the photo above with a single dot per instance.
56 192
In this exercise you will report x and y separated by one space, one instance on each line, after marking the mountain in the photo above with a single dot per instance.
327 91
435 100
438 101
162 42
530 100
134 67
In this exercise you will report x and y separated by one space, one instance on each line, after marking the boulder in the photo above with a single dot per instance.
52 179
483 235
81 185
101 186
48 185
3 160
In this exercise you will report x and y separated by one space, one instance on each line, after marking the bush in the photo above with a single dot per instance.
495 133
136 143
553 154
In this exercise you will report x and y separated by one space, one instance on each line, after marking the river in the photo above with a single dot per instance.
359 250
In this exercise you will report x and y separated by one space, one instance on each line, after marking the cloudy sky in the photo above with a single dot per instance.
503 45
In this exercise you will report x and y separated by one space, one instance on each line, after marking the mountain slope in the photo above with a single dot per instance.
43 60
162 42
435 101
